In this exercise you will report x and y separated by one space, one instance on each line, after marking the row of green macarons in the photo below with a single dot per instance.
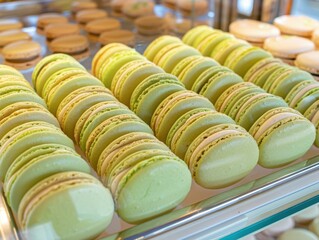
46 183
217 151
297 87
119 146
283 135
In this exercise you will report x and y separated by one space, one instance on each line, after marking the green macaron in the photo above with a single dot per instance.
12 80
25 136
31 167
283 135
80 207
207 45
221 155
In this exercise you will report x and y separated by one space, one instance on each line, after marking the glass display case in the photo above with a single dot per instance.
262 198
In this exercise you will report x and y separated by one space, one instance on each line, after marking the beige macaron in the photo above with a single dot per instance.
302 26
97 27
56 30
309 62
10 36
253 31
10 24
22 54
288 47
88 15
150 25
49 18
187 7
75 45
118 36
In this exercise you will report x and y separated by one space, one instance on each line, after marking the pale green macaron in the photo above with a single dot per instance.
37 163
221 155
13 80
25 136
67 195
283 135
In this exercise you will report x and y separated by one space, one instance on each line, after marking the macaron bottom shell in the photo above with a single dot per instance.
146 193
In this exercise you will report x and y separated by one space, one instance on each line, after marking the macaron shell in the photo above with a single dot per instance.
207 46
224 48
104 53
19 95
285 142
94 110
191 35
68 218
157 197
12 80
37 170
307 100
181 65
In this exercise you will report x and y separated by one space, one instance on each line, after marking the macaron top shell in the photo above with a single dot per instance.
288 46
7 70
87 15
296 25
9 24
10 36
102 25
21 50
252 30
73 44
308 61
60 29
